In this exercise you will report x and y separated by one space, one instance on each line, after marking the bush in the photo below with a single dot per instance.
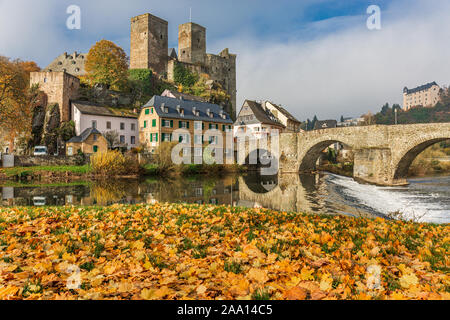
113 163
163 156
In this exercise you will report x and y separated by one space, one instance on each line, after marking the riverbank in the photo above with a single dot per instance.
49 174
173 251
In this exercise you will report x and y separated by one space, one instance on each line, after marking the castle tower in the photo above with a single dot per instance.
60 88
149 43
191 43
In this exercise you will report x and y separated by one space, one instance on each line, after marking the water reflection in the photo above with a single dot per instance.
318 193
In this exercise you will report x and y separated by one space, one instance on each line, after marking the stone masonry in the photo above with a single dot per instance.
149 50
149 43
60 88
383 154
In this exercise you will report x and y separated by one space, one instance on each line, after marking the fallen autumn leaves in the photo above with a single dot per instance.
175 251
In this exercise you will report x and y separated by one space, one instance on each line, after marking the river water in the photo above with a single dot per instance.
424 200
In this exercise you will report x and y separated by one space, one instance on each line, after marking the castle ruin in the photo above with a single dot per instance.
150 50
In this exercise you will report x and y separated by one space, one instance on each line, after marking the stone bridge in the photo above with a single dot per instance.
383 154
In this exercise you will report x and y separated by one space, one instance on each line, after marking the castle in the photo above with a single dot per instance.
426 96
150 50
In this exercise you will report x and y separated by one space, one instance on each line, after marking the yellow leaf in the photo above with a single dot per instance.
408 280
326 282
306 274
8 291
258 275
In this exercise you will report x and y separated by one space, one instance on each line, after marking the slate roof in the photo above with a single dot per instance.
84 135
173 53
261 115
182 96
326 124
171 103
421 88
285 112
97 110
71 63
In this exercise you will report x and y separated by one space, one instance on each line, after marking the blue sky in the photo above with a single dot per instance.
312 56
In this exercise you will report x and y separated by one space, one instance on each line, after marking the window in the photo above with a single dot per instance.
145 124
183 124
70 151
213 126
198 139
133 140
198 125
122 126
133 127
94 124
108 124
154 123
166 137
167 123
198 152
154 137
183 138
147 111
122 139
95 149
95 137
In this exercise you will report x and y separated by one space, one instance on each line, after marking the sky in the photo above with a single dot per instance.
314 57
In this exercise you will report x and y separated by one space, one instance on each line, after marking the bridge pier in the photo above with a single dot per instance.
374 166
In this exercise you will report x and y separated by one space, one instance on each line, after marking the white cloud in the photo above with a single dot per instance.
330 68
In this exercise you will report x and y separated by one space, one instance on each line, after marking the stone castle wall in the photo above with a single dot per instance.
60 88
149 43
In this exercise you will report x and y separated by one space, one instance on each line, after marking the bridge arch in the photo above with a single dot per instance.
312 154
410 153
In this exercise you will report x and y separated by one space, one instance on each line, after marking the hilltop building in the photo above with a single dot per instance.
73 64
149 50
425 96
256 120
161 116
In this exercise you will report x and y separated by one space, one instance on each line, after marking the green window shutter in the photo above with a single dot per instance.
217 127
154 122
170 137
203 126
163 135
152 110
151 137
95 149
223 127
180 139
156 140
187 124
145 124
147 111
210 126
171 123
180 124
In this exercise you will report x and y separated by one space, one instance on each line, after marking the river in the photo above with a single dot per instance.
423 200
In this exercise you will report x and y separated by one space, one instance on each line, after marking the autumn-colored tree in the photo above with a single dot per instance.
16 97
107 63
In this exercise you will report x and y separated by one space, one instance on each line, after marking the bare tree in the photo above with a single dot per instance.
112 137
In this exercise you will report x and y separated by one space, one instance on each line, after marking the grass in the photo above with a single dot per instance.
23 171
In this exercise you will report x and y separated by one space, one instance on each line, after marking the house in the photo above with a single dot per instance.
256 121
326 124
89 141
104 119
425 96
161 116
288 120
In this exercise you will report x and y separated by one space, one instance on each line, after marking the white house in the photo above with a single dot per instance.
104 119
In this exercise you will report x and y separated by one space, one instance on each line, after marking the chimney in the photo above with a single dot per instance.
163 107
194 110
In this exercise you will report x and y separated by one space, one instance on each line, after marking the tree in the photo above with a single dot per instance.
107 63
183 76
16 98
112 137
342 119
313 123
141 84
